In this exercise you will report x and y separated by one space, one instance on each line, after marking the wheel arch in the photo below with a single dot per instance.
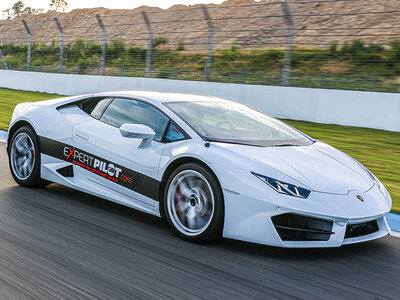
171 167
15 127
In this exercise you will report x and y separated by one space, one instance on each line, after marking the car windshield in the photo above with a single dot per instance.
231 122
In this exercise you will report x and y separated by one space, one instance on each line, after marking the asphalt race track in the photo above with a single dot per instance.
59 243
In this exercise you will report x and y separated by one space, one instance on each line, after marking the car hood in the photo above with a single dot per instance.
318 167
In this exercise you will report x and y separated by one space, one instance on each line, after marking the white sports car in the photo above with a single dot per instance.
213 168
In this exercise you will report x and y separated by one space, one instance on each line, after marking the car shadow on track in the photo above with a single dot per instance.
376 246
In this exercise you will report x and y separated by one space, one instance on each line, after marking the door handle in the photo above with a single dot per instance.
81 135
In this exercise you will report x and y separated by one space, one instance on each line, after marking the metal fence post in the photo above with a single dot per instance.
28 68
241 75
176 72
4 60
285 80
103 48
149 43
210 35
322 82
60 64
372 82
399 85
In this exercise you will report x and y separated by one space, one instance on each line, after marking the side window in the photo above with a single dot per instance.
95 106
130 111
174 133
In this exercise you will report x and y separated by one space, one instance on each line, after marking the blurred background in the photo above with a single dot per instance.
333 44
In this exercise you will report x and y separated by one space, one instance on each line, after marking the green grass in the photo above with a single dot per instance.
10 98
378 150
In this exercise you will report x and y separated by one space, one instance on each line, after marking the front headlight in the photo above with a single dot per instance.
283 187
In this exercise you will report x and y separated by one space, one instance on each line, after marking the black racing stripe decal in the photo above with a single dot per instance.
118 174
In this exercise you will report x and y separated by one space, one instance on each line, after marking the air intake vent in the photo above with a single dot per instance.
291 227
66 171
356 230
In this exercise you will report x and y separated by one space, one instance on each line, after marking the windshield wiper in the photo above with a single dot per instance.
231 142
285 145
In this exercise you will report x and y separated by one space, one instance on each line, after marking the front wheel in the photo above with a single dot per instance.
24 158
194 204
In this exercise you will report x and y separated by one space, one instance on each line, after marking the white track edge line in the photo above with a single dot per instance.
395 234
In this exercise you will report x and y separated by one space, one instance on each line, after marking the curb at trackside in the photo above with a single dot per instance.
394 223
392 219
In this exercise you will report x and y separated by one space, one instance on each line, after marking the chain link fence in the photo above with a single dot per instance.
339 44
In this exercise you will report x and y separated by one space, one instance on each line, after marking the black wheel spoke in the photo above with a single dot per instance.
22 156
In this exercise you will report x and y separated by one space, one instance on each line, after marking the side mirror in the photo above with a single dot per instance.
138 131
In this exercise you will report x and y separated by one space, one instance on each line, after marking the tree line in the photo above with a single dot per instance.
19 9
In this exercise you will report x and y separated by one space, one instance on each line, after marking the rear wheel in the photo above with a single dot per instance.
24 158
193 203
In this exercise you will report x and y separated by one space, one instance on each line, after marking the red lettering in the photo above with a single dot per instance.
71 152
126 179
112 179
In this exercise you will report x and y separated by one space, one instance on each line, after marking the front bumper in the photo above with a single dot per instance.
340 233
251 219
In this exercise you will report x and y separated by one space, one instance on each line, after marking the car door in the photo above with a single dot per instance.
116 164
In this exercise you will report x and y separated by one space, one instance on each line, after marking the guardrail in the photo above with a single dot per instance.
353 108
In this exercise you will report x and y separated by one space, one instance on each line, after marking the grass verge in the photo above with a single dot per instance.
10 98
378 150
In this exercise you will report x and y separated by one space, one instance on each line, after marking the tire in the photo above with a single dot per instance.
194 204
24 158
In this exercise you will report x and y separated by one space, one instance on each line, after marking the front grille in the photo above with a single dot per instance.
292 227
356 230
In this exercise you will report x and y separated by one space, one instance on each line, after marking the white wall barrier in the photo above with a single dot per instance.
354 108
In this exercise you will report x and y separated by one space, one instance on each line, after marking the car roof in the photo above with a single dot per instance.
159 97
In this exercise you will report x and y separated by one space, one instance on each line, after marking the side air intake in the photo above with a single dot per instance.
292 227
356 230
66 171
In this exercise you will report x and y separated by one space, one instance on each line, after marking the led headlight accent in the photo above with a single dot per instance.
283 187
